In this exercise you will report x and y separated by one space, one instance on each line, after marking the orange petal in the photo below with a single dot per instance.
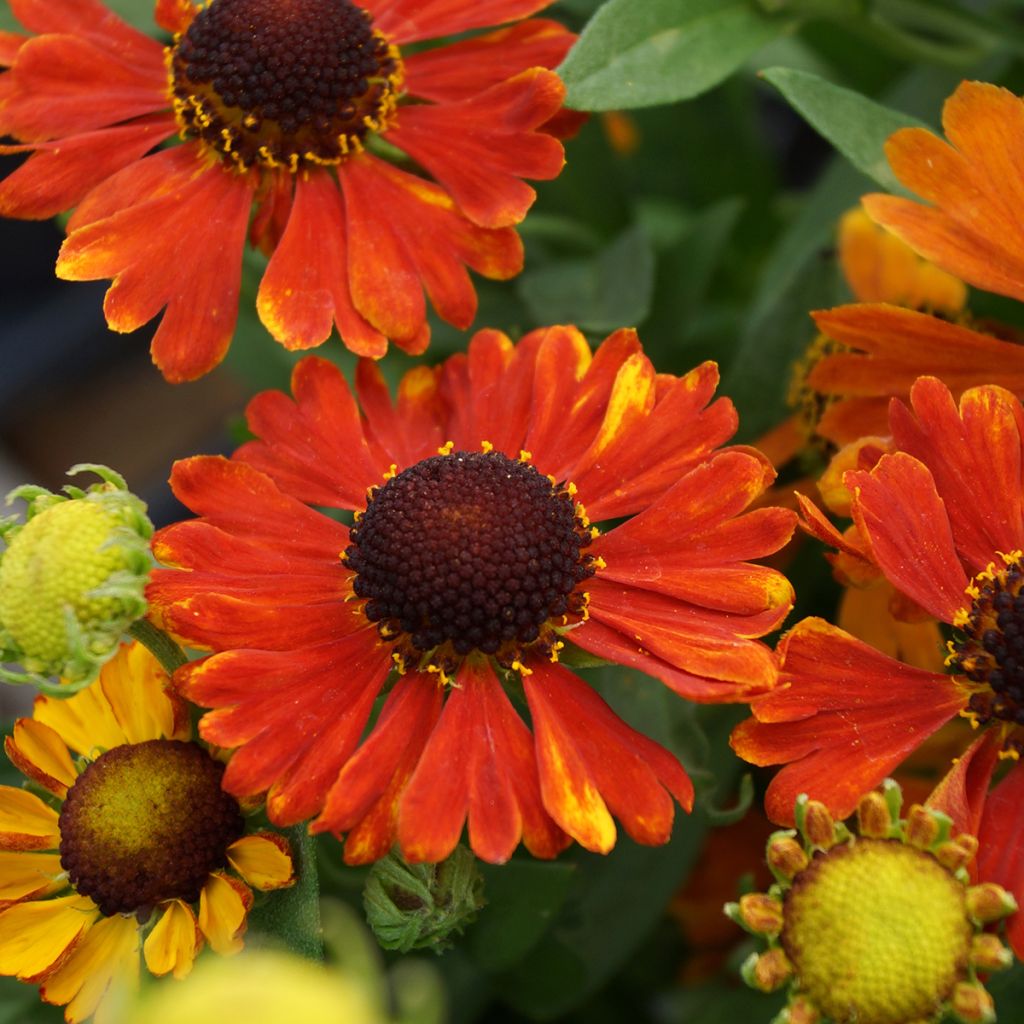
39 752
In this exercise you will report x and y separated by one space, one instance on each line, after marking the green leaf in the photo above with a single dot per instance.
609 291
523 899
292 916
659 51
856 126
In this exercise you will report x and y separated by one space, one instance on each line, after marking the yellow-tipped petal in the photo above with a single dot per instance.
106 960
26 823
137 689
37 935
223 907
85 722
28 874
38 751
264 860
174 942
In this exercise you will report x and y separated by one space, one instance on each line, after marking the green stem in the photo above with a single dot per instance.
159 644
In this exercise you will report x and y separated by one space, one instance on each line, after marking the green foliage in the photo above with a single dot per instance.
659 51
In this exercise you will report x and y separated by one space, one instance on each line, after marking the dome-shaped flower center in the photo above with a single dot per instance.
283 83
146 822
877 932
988 648
470 551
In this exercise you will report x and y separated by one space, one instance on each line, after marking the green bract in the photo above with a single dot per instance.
72 580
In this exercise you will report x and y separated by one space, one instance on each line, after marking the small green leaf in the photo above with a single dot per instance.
856 126
660 51
608 291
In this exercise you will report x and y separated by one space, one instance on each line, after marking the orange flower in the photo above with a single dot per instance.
941 518
471 567
975 184
283 110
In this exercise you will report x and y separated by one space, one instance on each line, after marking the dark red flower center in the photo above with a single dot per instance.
284 83
988 646
470 551
147 822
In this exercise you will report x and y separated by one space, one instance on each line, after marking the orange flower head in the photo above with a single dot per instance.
951 552
289 115
471 570
131 847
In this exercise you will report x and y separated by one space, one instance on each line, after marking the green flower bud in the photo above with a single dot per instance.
72 579
421 906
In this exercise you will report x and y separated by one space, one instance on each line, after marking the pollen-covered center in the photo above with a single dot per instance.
877 933
147 822
284 83
470 551
988 648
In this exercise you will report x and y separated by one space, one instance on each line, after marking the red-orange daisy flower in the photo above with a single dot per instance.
974 183
942 517
471 564
285 110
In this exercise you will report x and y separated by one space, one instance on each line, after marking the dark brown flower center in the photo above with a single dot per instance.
284 83
988 645
470 551
147 822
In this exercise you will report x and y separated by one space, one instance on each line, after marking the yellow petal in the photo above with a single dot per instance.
85 722
264 860
28 874
108 955
223 906
26 823
39 752
136 688
35 936
174 942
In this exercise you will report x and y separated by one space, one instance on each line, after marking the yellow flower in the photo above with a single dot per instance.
133 835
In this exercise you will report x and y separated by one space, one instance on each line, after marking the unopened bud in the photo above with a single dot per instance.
972 1004
873 817
421 906
72 579
923 827
989 902
957 853
760 913
819 827
767 972
785 856
799 1011
989 954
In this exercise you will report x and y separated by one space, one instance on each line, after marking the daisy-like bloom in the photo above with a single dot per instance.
288 113
941 517
470 571
880 927
136 831
974 183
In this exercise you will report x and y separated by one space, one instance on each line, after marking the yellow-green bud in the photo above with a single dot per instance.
989 954
799 1011
989 902
972 1004
421 906
785 856
767 971
72 579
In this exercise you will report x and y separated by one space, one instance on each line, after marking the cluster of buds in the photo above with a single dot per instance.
881 924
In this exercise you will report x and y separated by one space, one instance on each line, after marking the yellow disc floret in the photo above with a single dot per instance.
877 932
72 579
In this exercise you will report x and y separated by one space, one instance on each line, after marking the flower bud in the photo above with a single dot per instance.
799 1011
972 1004
421 906
786 857
819 827
989 954
957 853
923 827
72 579
760 913
873 817
768 971
989 902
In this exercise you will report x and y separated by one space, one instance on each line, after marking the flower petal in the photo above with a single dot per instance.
37 751
408 21
264 860
26 823
174 942
36 937
224 907
29 876
1001 853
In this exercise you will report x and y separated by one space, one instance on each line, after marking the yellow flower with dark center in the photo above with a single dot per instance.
72 579
135 846
876 928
